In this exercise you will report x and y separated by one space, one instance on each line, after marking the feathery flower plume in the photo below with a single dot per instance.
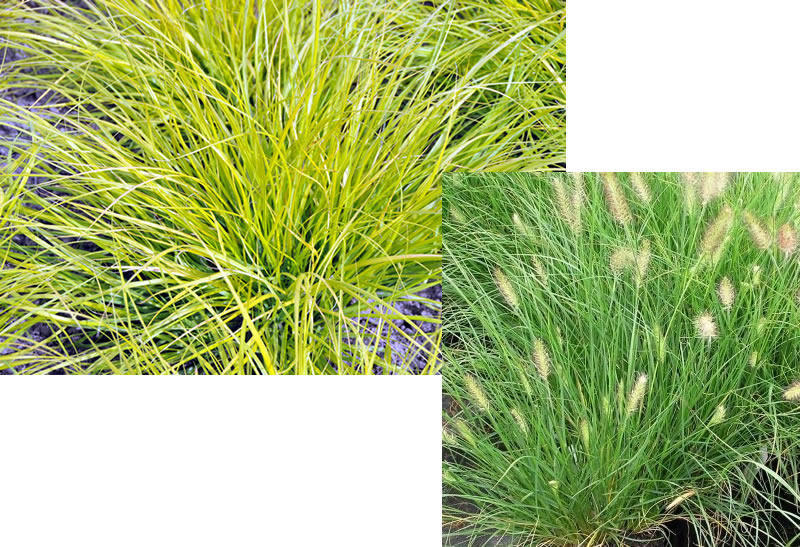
538 268
761 326
691 185
615 199
706 327
541 359
520 422
578 197
519 224
641 187
727 293
642 261
504 285
563 201
792 392
585 433
787 239
621 259
758 232
722 181
785 185
464 430
711 186
756 279
719 415
457 215
754 359
636 396
680 499
448 437
523 378
554 484
717 231
476 392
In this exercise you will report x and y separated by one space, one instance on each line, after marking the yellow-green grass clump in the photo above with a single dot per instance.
236 187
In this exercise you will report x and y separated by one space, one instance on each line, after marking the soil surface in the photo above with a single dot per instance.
408 348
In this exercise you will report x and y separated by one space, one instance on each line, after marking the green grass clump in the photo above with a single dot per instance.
622 350
235 181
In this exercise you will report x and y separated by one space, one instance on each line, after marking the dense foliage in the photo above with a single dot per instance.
622 350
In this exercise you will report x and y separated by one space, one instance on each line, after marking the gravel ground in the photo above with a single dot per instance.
411 354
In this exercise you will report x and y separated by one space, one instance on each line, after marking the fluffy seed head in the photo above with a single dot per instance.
754 359
538 269
691 187
541 359
457 215
758 232
711 186
719 415
621 259
518 224
706 327
641 187
520 421
636 395
585 433
717 231
792 392
448 437
625 258
476 392
523 378
615 199
505 288
680 499
464 430
787 239
578 197
642 260
727 293
756 277
563 201
761 326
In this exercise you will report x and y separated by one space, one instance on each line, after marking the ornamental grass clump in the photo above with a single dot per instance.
240 186
654 377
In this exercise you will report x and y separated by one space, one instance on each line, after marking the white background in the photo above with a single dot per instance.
229 461
683 85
